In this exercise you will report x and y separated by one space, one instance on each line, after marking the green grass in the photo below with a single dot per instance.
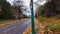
5 20
5 23
54 26
40 18
58 16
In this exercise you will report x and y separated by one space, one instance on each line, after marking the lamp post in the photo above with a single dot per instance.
32 17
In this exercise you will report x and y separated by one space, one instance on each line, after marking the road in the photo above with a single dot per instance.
16 28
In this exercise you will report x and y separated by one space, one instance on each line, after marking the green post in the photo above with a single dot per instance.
32 18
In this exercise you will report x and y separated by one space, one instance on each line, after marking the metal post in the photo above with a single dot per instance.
32 17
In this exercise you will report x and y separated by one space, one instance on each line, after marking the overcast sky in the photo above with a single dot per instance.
11 1
26 2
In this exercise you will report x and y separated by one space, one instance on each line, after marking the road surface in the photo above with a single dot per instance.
16 28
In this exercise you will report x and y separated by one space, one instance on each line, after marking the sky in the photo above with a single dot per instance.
11 1
27 3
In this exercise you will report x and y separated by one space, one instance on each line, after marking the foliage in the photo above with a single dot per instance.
26 16
40 18
0 9
58 16
54 26
52 8
6 9
39 10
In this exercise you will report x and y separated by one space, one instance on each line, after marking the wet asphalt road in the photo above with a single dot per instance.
16 28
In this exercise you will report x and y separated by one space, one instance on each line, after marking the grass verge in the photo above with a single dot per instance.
5 23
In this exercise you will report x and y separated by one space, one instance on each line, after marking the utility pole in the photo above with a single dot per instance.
32 17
